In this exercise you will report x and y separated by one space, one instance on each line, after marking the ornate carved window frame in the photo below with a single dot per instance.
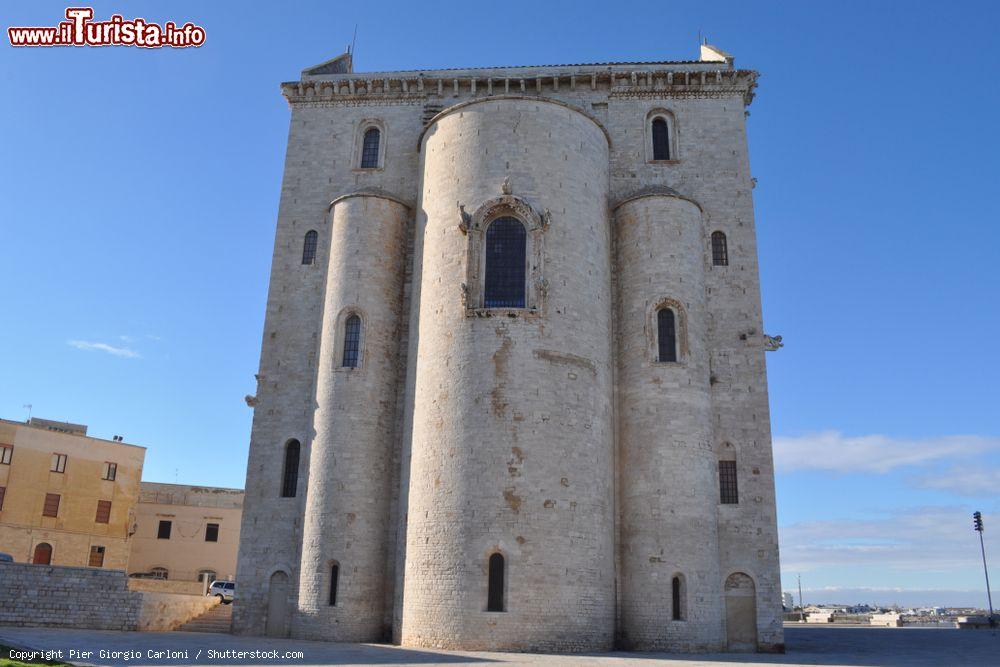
671 120
680 331
475 225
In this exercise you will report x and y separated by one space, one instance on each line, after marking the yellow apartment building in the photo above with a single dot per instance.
186 533
66 498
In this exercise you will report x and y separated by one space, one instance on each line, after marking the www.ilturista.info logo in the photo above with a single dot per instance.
79 30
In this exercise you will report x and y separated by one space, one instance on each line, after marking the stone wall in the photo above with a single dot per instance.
67 597
163 612
166 586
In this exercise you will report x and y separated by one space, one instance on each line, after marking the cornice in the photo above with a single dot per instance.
375 90
380 194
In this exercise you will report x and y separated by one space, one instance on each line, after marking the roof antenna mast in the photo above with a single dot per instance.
353 40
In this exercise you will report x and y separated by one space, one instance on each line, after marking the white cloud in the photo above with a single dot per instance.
973 482
833 451
104 347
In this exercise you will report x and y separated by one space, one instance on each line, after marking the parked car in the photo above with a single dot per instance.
223 590
6 558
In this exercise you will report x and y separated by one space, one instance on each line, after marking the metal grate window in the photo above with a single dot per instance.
51 507
334 582
495 600
212 532
163 530
352 341
661 139
96 557
728 489
369 149
290 475
506 250
720 249
309 247
666 335
103 511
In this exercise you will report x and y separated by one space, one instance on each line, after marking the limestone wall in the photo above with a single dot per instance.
166 586
163 612
67 597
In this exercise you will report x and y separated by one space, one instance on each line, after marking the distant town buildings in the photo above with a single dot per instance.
70 499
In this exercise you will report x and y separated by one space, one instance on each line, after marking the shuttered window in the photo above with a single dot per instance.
51 507
212 532
103 511
96 557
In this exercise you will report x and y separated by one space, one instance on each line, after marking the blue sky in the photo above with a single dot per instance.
139 191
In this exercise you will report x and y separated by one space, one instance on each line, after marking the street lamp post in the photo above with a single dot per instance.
977 525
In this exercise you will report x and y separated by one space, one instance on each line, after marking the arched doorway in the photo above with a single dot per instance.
43 554
741 613
277 606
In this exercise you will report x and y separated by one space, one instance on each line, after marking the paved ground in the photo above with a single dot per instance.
840 646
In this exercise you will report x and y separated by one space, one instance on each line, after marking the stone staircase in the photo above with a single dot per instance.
216 619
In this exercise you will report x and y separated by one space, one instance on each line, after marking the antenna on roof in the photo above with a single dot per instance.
353 40
29 406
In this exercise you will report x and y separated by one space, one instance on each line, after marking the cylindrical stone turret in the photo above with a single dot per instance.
347 508
668 467
511 421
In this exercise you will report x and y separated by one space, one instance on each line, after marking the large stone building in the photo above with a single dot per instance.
512 391
66 498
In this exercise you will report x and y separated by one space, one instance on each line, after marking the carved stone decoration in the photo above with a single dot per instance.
250 400
465 295
772 343
546 219
465 219
505 186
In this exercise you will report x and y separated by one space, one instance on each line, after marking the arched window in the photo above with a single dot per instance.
506 251
352 342
334 581
661 139
494 597
159 573
369 148
720 251
290 476
309 247
43 554
666 330
677 599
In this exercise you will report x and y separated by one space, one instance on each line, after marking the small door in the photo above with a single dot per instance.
277 606
43 554
741 613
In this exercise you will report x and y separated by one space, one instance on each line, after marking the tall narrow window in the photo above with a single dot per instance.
728 490
334 582
58 463
494 598
369 148
43 554
6 454
352 341
290 477
51 506
676 599
96 557
506 250
666 330
661 139
212 532
103 511
720 250
309 247
110 471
